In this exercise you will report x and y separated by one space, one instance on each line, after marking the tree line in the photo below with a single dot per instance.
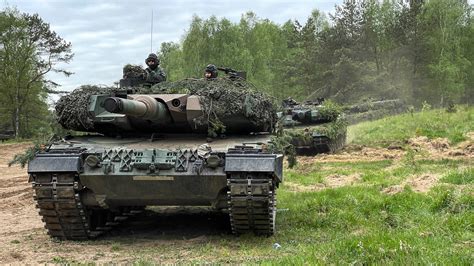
414 50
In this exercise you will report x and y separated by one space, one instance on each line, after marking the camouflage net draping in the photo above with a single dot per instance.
290 138
221 99
133 71
72 109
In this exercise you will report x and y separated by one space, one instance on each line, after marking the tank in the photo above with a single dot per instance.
314 127
148 149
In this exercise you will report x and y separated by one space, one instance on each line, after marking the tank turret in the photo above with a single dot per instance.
218 107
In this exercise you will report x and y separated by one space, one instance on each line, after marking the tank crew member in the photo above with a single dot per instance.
210 72
154 73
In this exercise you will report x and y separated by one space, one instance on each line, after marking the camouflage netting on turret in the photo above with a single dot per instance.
72 109
133 71
222 98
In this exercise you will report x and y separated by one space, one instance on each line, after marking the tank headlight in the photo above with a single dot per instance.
92 161
213 161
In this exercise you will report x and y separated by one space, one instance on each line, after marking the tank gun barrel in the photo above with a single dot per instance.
124 106
144 106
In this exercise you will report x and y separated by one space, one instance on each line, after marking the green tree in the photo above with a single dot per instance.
447 64
28 51
171 58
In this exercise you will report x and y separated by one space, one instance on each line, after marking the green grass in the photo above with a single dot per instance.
397 129
357 224
362 225
460 177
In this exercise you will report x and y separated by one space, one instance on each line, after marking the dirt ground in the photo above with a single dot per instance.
23 239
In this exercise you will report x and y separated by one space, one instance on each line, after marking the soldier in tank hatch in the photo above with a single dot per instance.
154 73
210 72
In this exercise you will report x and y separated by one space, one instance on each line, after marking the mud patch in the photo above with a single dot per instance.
357 153
440 147
331 181
423 183
334 181
432 146
435 149
420 184
465 148
294 187
392 190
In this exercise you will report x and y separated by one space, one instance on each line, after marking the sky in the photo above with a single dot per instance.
106 34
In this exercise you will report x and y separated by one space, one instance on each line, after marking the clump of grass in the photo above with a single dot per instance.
460 177
59 260
115 247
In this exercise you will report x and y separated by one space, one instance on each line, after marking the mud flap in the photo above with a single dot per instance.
256 163
55 163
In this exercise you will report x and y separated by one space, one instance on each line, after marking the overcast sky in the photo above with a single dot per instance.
106 35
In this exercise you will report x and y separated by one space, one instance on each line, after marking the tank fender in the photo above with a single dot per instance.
263 163
55 163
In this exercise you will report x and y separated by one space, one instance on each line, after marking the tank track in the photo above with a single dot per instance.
252 203
58 198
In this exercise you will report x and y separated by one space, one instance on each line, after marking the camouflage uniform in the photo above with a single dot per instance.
155 76
154 73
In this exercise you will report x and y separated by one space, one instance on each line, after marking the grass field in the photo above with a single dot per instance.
412 209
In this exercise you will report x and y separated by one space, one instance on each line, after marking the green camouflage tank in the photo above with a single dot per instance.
202 144
313 127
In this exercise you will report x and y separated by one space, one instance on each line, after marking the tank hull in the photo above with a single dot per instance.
78 180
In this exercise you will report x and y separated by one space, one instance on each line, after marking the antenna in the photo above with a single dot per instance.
151 33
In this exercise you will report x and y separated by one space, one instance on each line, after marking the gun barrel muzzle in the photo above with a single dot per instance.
141 106
125 106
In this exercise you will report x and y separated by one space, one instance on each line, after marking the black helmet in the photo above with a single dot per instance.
152 57
211 69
